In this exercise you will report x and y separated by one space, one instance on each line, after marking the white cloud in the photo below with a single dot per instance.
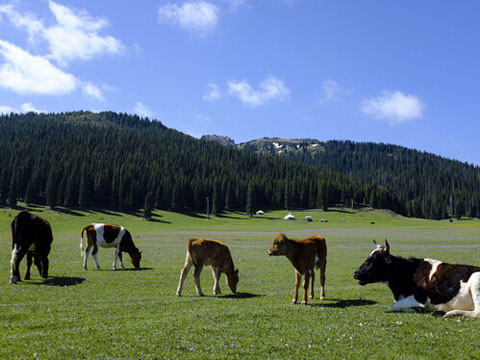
28 107
77 36
197 16
331 91
142 110
91 90
271 89
74 36
25 73
25 108
4 109
213 93
393 107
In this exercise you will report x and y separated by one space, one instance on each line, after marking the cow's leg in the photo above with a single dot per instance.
94 255
312 284
216 273
29 265
85 255
306 281
117 251
407 304
183 274
298 279
322 280
474 284
121 260
196 276
17 256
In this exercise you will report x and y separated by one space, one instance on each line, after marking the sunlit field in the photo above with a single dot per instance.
134 314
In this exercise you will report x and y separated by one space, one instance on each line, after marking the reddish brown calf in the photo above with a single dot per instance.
202 252
305 256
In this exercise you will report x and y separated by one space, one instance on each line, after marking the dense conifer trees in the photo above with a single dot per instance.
121 162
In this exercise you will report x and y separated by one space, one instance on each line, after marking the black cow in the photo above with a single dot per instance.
424 284
31 235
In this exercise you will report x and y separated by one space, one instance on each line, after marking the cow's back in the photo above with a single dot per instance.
30 229
316 243
208 251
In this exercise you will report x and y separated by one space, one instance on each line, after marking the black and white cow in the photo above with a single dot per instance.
31 236
425 284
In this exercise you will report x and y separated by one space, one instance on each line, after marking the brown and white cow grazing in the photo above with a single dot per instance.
31 235
305 256
202 252
108 235
425 284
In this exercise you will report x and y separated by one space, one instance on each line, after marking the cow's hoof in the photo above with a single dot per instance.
178 294
27 277
13 281
304 303
294 302
322 297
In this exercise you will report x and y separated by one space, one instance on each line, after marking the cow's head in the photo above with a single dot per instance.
279 246
232 281
42 265
135 258
375 268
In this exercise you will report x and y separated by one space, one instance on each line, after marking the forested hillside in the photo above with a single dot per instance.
425 184
121 162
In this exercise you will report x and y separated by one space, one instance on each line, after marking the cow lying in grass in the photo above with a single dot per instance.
424 284
305 256
107 235
202 252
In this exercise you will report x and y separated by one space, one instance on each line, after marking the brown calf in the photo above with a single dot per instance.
305 256
202 252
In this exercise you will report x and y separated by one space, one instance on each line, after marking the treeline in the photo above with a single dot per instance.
121 162
426 185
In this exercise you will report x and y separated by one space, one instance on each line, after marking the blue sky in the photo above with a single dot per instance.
403 72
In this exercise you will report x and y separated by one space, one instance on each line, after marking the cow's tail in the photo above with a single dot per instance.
81 240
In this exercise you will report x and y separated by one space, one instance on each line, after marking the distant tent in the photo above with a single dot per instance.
290 217
260 212
308 218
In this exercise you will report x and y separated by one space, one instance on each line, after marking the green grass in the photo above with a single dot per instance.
124 314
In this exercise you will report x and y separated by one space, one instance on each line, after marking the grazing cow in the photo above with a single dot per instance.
31 236
202 252
108 235
424 284
305 256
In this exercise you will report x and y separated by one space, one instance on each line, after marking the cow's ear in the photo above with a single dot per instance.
236 271
285 237
375 242
387 246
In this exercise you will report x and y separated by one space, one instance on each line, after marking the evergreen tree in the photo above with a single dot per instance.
148 207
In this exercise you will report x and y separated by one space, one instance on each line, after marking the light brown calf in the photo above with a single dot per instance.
305 256
202 252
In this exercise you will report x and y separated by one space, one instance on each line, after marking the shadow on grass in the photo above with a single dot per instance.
68 212
63 281
132 269
55 281
241 295
344 303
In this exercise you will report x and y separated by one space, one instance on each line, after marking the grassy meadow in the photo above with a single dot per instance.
128 314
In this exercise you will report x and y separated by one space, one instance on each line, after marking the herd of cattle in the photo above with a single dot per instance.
416 284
